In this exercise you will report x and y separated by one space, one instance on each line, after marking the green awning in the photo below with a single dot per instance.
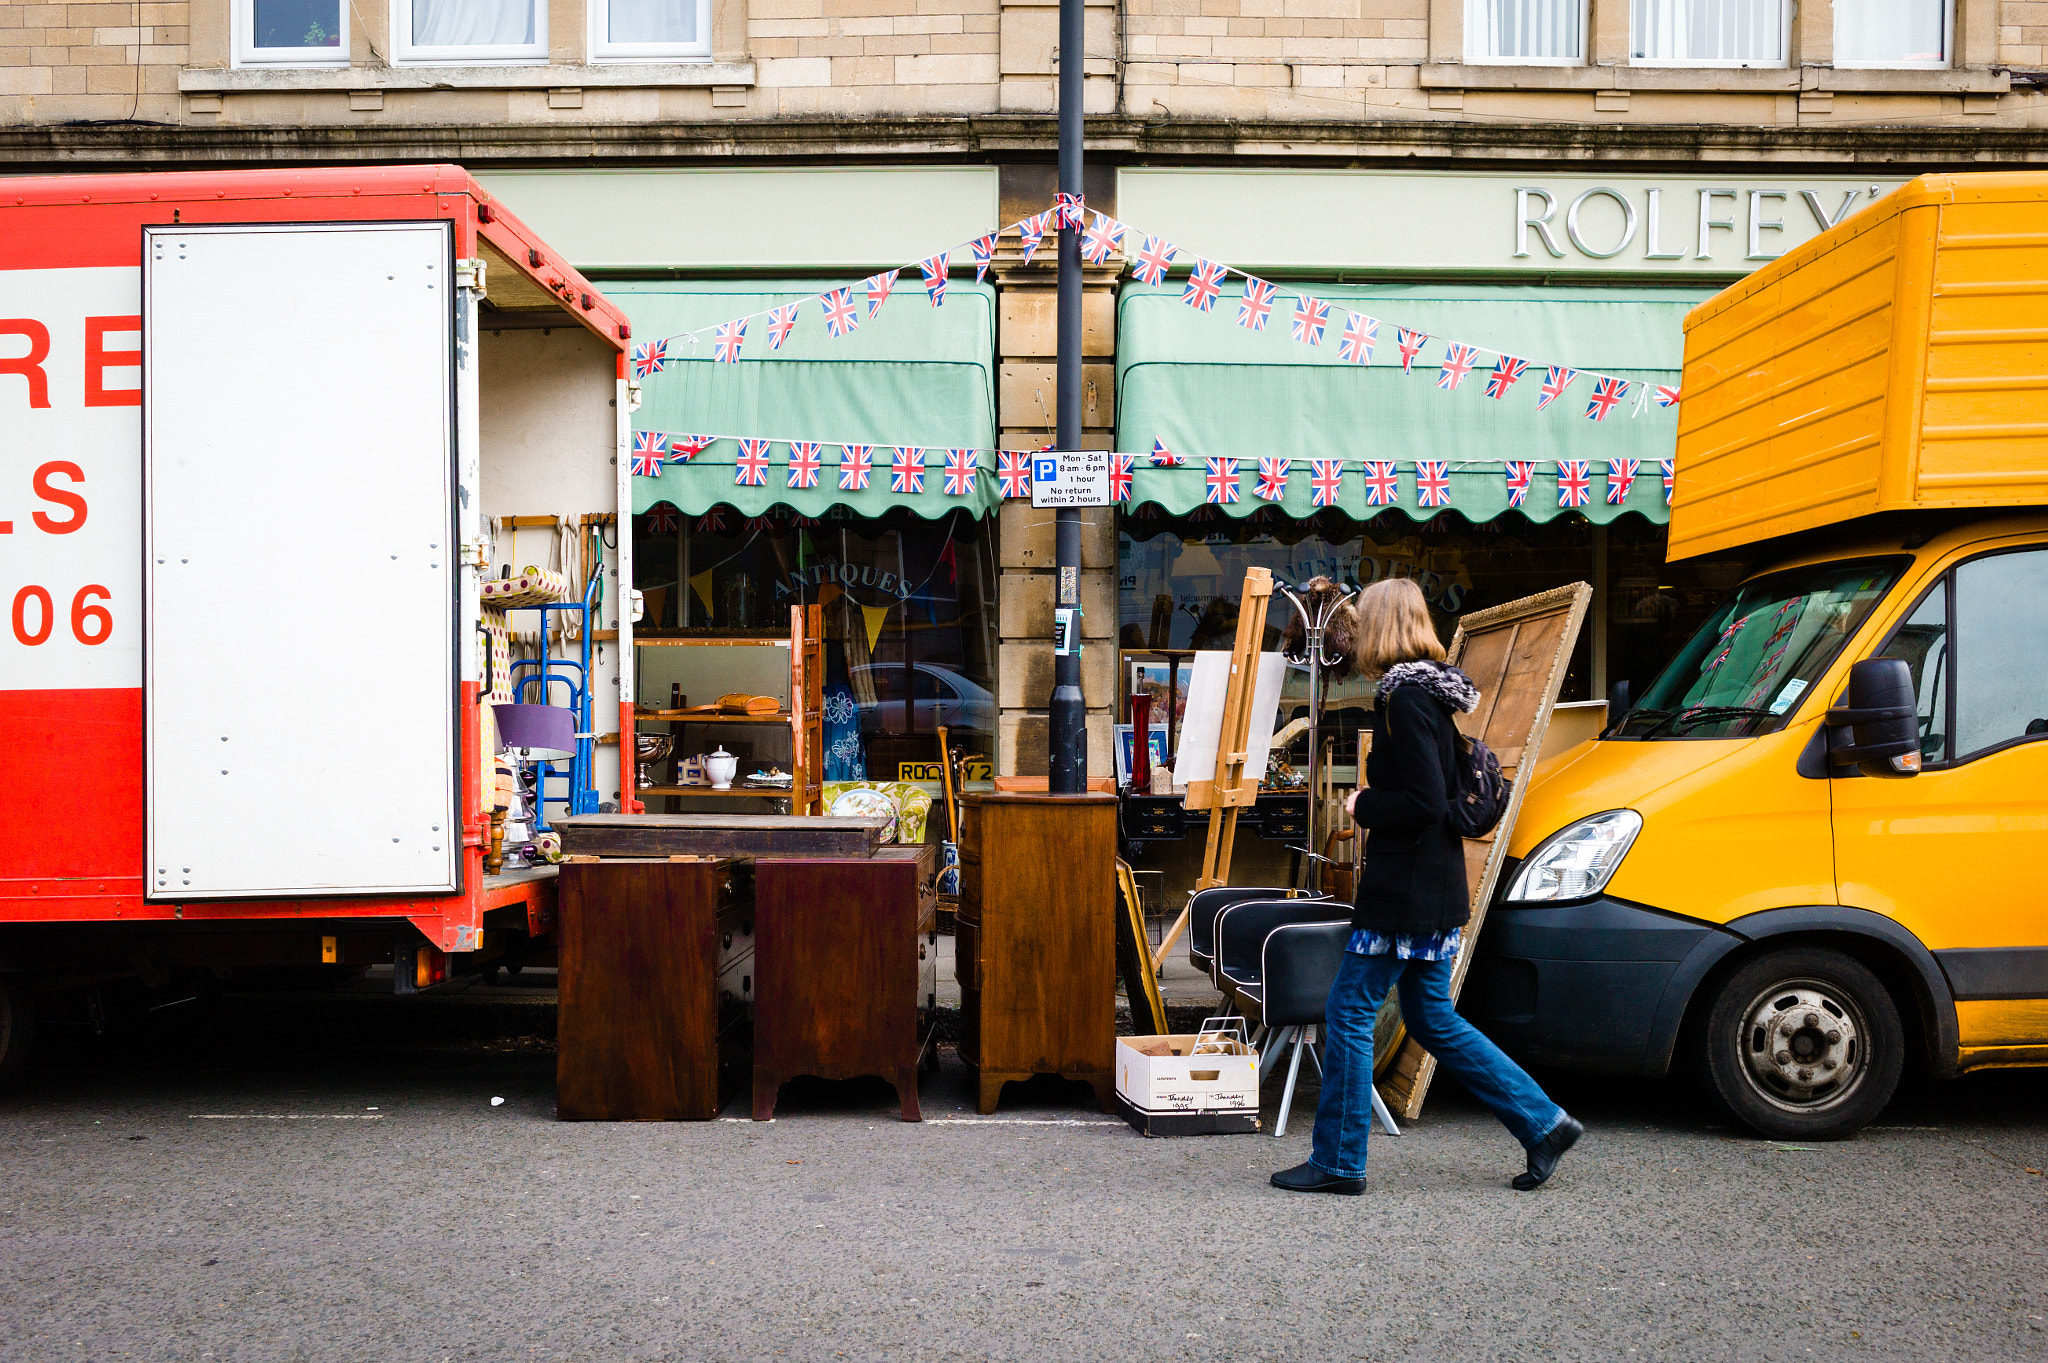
913 375
1209 388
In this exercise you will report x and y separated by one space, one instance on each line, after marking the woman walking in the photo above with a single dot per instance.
1410 911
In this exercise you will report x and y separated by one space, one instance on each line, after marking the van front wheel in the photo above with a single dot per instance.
1802 1043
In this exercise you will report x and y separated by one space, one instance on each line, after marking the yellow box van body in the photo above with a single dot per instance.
1864 424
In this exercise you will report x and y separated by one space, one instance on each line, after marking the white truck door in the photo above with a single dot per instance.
299 665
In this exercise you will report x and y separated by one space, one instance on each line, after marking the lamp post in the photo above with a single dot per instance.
1067 766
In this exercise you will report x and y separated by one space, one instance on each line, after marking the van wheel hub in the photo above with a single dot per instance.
1802 1045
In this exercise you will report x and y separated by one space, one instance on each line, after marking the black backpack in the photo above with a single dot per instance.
1478 791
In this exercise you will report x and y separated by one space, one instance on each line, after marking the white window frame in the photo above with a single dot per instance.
1474 58
1948 47
242 23
1784 62
603 49
406 53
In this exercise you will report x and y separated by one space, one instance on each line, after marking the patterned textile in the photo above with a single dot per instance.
845 755
1407 946
913 804
530 588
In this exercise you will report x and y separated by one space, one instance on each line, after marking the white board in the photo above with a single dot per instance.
1202 721
299 682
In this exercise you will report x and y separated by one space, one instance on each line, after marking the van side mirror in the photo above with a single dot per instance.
1618 699
1878 731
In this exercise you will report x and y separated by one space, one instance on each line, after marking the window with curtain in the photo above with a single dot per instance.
290 33
1709 32
1891 32
471 30
650 29
1529 32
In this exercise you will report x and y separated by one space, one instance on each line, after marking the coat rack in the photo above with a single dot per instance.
1314 625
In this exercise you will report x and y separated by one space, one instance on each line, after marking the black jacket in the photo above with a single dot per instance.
1413 879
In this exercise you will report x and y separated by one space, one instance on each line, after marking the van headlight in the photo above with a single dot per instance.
1577 861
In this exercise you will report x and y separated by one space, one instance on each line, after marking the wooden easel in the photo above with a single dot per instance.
1229 791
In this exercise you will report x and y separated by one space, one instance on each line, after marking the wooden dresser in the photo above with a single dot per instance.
1036 950
847 976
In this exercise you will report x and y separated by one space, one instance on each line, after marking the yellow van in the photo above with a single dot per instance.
1817 847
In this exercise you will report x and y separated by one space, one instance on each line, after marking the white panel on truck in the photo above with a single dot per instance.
299 681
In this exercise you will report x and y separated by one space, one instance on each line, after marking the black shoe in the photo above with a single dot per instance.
1544 1155
1306 1178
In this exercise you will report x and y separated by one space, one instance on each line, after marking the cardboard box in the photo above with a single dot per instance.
1206 1084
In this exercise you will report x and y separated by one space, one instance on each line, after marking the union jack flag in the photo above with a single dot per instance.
1574 482
961 466
1311 317
1256 305
934 268
1458 362
1203 285
1621 476
1556 379
804 463
1669 468
1432 482
660 520
1411 343
1066 211
1360 334
1272 484
649 359
906 470
840 314
649 449
1665 396
1325 481
758 525
781 321
712 522
856 462
1122 473
1221 482
1153 260
1163 458
1505 371
682 448
984 249
1204 512
1104 238
1032 230
878 286
751 468
727 340
1519 472
1606 393
1013 473
1382 484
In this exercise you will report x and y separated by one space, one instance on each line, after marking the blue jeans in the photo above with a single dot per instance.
1344 1115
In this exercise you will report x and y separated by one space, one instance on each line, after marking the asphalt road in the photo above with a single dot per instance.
326 1177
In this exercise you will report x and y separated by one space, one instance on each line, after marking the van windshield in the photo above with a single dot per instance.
1745 671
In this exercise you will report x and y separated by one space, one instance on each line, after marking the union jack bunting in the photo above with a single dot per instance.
1621 476
1325 481
649 359
1122 473
841 316
804 463
1360 333
1669 467
1220 483
1203 285
1272 484
1382 484
1432 482
1311 317
649 449
727 340
961 466
878 286
1411 343
1505 371
1256 305
1574 482
856 462
1067 210
1153 259
1458 362
751 468
984 249
1665 396
1032 230
685 447
934 268
1606 393
781 321
1013 473
1556 379
660 520
1204 512
758 525
1104 238
1163 458
712 522
1519 472
906 470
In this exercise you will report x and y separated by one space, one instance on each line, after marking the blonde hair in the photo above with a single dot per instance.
1394 626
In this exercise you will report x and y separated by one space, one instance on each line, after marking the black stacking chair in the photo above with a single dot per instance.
1204 905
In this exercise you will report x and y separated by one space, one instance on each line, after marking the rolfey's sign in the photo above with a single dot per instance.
1656 222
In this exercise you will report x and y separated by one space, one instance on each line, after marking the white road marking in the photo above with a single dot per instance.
285 1116
972 1121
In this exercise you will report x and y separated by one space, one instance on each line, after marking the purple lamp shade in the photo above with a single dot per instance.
547 732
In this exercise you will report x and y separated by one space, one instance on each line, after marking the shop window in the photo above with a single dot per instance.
1526 32
291 33
468 31
1910 33
1710 32
650 30
2001 629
